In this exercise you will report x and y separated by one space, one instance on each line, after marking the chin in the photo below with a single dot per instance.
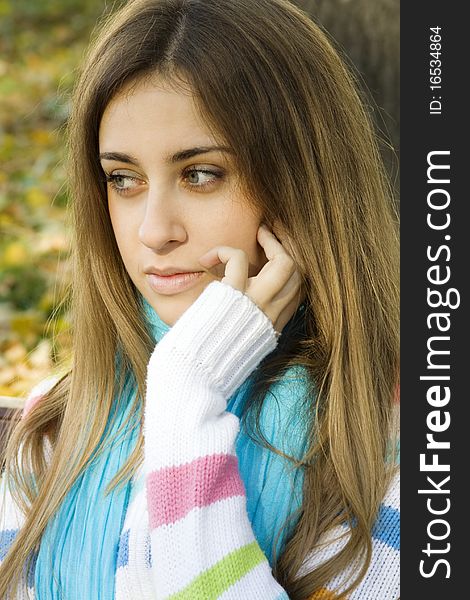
170 308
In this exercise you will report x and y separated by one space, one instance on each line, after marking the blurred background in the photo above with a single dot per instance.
41 46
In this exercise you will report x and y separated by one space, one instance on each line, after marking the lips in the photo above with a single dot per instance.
172 280
168 271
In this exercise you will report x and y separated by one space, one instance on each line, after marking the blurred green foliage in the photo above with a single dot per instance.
41 46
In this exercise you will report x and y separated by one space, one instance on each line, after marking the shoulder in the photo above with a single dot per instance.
386 529
37 393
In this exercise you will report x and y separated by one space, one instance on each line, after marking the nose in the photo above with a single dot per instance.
162 225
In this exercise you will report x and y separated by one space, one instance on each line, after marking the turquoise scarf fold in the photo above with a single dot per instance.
77 557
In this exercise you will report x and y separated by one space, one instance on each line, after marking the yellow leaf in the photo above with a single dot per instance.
46 302
15 254
7 375
5 8
5 219
42 137
15 353
5 390
26 324
35 198
61 325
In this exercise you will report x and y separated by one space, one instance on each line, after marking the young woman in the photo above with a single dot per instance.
227 428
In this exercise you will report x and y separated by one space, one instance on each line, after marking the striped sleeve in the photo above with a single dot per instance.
11 521
201 539
11 518
43 387
382 579
202 543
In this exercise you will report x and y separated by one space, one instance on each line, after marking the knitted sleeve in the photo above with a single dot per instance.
202 542
11 518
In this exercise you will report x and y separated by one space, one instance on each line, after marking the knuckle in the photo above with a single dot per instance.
286 264
298 278
240 254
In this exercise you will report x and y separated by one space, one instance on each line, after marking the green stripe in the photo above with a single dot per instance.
216 580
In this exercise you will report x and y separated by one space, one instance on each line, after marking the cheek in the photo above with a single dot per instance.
125 228
240 231
233 223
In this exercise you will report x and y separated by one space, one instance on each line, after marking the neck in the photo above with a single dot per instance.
158 327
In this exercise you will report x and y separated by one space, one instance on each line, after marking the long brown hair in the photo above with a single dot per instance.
270 85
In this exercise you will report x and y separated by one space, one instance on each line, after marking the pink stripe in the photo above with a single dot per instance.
173 491
30 404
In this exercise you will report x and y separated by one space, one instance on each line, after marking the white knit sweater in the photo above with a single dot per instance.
186 534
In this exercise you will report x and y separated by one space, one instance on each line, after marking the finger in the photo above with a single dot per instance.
273 299
236 265
289 293
281 309
287 313
280 233
272 278
278 258
268 241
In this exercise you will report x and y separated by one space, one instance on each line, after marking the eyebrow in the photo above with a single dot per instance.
171 159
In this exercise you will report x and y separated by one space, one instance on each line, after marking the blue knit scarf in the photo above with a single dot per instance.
78 553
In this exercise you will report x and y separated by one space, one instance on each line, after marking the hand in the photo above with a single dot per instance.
276 290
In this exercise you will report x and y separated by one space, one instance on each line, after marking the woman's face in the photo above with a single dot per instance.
173 194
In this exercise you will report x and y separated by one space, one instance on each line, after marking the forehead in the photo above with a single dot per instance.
154 110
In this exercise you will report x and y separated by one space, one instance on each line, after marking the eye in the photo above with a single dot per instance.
201 178
123 183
